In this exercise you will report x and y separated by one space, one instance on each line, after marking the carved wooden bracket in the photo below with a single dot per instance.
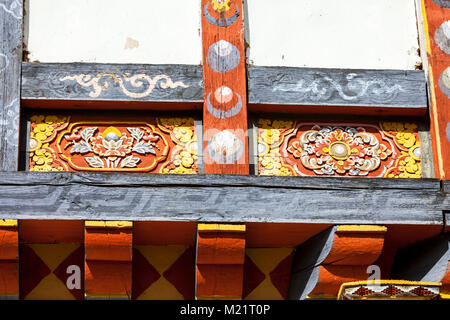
337 255
220 261
9 259
108 263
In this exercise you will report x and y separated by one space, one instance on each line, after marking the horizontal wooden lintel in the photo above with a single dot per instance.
221 198
270 89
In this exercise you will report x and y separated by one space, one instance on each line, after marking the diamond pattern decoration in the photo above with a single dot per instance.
266 273
47 280
389 289
163 272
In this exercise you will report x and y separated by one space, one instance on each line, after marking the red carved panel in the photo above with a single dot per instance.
159 145
385 149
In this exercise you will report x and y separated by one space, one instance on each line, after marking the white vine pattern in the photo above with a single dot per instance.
136 81
323 88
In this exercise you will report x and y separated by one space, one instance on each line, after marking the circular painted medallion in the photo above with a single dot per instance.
442 37
223 56
225 147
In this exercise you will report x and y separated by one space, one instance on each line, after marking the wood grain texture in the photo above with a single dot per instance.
435 17
225 105
218 198
385 90
84 81
11 16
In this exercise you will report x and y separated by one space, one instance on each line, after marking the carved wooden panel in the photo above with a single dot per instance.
74 143
295 148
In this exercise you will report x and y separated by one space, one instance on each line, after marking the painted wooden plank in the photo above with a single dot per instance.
436 15
218 198
111 82
11 15
225 92
386 90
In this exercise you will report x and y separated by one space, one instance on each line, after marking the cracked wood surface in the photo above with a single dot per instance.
219 198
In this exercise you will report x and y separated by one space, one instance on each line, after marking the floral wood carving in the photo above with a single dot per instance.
387 149
164 145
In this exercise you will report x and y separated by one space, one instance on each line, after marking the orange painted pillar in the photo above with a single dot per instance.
108 261
436 14
220 261
224 80
9 264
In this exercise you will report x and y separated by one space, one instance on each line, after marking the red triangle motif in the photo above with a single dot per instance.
252 277
29 277
280 276
144 274
75 258
182 274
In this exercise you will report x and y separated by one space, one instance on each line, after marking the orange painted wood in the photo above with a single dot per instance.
219 280
355 248
51 231
438 61
224 67
9 246
9 278
220 248
9 264
266 235
332 277
108 264
164 232
108 244
220 261
108 278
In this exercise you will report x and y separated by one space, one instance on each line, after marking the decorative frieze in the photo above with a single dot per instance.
159 145
295 148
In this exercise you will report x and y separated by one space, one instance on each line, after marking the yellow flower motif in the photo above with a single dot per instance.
220 5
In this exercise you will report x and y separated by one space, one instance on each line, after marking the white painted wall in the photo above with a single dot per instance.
114 31
369 34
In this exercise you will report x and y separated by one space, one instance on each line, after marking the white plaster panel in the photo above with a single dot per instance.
369 34
114 31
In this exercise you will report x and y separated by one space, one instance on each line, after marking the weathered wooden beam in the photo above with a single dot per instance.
279 89
91 82
11 15
221 198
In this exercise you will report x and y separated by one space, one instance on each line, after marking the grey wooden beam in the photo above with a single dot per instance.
11 15
111 82
389 90
221 198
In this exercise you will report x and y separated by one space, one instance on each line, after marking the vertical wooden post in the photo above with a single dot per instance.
220 261
436 14
108 265
11 16
225 105
9 264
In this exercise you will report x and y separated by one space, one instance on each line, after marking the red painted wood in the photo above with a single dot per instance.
438 61
224 66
